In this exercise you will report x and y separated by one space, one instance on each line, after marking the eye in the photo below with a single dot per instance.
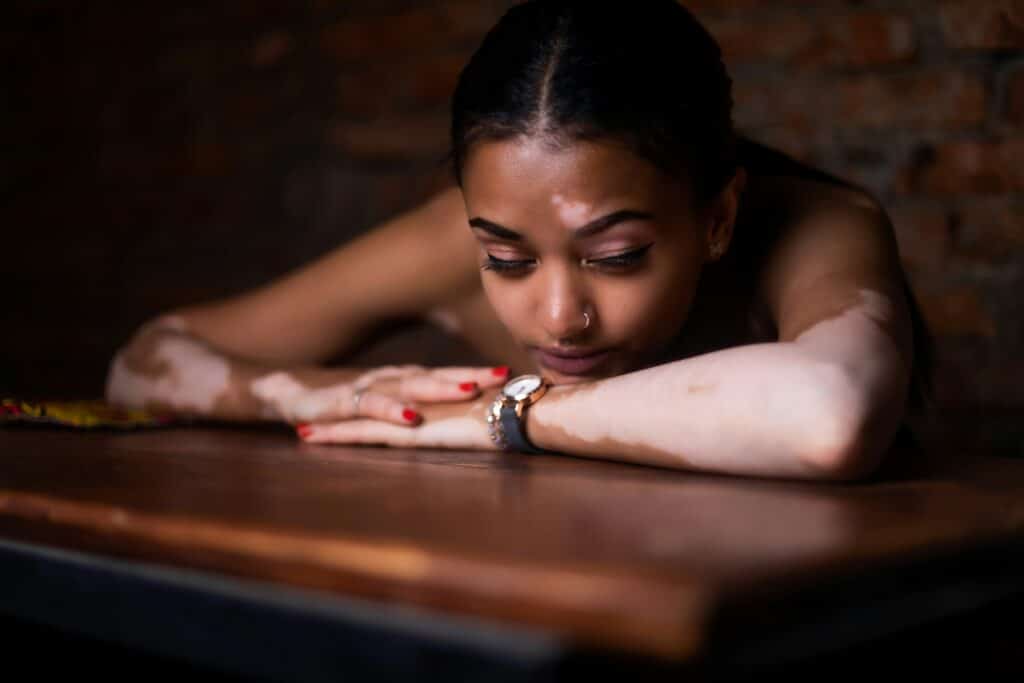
624 260
503 266
619 261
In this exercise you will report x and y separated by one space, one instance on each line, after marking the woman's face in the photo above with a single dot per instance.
589 229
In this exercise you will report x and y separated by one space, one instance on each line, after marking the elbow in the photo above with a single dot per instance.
846 458
839 448
115 389
136 360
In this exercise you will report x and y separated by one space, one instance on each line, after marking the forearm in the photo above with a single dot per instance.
164 368
762 409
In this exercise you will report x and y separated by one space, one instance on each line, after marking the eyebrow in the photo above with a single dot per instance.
592 228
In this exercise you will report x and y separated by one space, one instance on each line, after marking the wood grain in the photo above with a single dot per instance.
610 555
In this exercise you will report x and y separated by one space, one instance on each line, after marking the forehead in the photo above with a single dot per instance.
526 171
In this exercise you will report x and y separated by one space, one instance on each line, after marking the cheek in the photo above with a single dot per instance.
631 308
506 299
655 305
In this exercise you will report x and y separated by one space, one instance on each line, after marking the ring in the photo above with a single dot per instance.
356 397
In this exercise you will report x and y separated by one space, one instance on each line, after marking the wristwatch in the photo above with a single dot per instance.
505 418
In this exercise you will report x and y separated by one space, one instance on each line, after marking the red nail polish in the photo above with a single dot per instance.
467 386
304 430
410 415
501 371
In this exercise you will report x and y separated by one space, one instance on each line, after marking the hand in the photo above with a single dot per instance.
392 394
444 425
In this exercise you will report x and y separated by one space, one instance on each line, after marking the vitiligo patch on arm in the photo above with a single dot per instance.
183 376
861 326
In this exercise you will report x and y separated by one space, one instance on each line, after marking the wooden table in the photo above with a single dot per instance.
245 551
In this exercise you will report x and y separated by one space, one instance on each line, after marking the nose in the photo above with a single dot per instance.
564 300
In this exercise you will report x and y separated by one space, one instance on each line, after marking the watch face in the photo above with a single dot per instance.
522 386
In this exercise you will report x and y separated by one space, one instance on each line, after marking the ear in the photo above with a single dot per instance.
722 218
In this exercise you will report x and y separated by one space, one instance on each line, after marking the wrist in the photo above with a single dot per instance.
540 428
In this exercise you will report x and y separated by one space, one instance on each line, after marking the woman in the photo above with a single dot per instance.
697 300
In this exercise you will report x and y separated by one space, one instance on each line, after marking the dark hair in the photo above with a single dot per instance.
645 73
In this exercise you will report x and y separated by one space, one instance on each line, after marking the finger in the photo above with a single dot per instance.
365 432
485 377
339 403
379 406
385 372
431 388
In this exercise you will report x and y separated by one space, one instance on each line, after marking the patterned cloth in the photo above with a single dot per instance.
78 414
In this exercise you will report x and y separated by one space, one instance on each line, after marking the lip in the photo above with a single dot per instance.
572 362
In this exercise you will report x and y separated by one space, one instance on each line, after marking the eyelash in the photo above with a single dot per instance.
623 260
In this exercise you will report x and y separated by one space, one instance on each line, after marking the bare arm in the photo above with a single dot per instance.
242 357
763 409
165 368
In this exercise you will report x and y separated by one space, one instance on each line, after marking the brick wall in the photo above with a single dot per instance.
160 155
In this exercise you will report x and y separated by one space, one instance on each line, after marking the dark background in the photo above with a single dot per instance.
156 155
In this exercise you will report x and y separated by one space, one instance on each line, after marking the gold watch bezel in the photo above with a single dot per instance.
523 403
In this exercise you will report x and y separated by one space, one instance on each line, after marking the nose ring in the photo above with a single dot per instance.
586 317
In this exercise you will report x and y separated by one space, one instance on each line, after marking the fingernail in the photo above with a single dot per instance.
467 386
501 371
410 415
304 429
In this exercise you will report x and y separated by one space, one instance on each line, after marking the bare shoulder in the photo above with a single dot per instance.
834 244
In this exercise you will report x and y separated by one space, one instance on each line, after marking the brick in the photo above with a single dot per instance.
853 40
990 231
983 24
789 104
417 31
931 98
385 37
1013 96
389 88
957 313
391 139
924 234
934 98
966 168
739 6
432 81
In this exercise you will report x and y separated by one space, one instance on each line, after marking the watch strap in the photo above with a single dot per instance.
515 435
